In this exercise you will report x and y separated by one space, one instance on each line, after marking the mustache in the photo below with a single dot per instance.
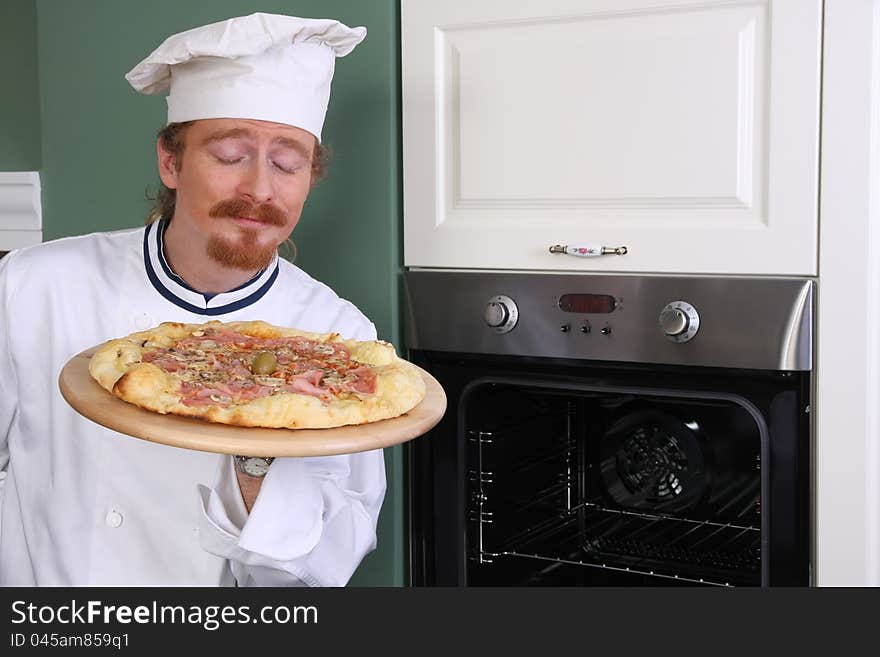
238 207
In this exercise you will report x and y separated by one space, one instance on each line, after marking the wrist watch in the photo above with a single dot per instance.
253 466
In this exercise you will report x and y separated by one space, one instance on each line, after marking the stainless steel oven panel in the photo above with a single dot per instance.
749 323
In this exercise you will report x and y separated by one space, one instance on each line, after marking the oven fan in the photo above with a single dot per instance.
651 460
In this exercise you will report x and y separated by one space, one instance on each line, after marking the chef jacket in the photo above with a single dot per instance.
81 505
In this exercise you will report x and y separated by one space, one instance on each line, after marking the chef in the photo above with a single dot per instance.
81 505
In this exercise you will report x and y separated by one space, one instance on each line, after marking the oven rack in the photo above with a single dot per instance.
610 566
656 545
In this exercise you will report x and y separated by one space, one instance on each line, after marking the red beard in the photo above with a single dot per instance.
244 253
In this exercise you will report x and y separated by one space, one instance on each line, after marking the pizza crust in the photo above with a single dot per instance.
117 366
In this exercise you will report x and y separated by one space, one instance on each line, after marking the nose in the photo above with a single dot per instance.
256 182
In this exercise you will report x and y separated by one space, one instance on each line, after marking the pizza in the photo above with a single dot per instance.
254 374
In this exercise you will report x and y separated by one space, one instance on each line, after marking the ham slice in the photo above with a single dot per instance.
312 376
168 364
365 382
305 386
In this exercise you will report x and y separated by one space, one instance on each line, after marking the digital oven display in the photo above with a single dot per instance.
587 303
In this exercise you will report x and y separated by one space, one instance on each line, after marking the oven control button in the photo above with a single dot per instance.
679 321
496 314
501 313
674 321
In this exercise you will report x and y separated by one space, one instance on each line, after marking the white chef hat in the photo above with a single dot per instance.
263 66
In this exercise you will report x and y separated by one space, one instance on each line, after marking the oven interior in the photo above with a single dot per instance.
566 485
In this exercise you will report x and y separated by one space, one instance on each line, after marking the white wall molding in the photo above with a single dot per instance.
872 381
21 211
847 442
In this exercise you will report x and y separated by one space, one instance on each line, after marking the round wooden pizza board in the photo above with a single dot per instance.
89 399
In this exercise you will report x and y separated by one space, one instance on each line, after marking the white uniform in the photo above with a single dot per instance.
86 506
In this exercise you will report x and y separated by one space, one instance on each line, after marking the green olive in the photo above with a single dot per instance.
264 362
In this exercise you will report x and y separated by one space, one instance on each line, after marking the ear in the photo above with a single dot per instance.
167 170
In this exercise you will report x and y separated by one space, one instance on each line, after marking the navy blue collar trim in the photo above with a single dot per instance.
160 250
176 300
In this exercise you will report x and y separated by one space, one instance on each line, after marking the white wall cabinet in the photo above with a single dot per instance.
686 131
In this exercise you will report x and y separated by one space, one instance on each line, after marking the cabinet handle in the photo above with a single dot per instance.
588 251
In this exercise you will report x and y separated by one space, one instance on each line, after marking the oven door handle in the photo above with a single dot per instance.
588 251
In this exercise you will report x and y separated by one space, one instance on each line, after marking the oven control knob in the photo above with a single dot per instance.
673 321
679 321
496 313
501 313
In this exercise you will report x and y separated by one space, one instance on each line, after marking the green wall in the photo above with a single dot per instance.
98 158
20 105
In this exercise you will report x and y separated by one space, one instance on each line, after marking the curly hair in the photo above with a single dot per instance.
172 138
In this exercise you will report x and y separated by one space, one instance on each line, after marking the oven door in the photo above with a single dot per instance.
583 473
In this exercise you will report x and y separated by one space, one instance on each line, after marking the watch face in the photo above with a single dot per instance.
255 466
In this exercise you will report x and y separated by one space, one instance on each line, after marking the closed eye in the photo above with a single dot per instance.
286 168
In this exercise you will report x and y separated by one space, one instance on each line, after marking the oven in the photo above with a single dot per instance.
611 430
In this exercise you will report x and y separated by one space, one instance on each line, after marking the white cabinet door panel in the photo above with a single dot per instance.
686 132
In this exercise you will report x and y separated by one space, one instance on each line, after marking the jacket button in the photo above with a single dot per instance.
143 321
113 519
